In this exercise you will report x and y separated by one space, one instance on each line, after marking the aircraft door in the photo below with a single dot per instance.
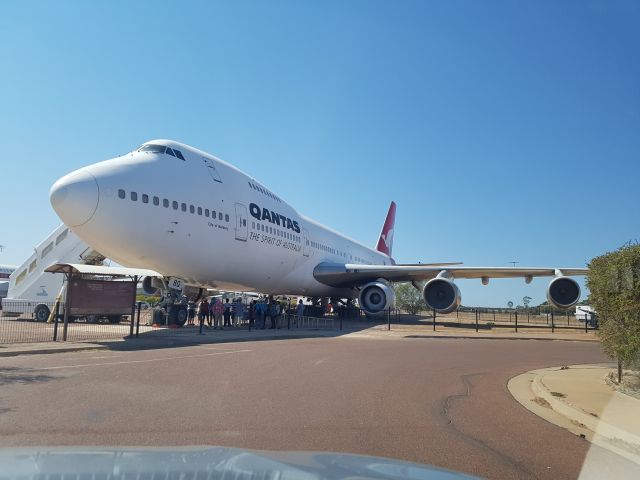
242 226
211 168
306 245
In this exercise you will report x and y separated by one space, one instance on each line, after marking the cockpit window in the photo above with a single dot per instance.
151 148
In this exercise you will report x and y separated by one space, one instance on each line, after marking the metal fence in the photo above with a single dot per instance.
27 322
22 321
483 319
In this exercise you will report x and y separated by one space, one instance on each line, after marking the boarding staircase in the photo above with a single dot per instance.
30 285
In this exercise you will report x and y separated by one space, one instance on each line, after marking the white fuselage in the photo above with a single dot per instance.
253 241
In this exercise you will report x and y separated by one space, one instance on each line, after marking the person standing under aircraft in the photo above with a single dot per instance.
260 313
216 311
238 312
299 311
227 313
274 310
191 313
203 310
252 314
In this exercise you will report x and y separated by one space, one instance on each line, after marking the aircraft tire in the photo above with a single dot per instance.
178 315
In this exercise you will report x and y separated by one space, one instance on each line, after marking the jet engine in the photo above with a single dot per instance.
563 292
192 293
376 297
151 285
441 295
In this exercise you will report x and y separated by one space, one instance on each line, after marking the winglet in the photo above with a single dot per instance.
385 242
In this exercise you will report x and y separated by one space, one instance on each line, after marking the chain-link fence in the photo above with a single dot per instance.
26 321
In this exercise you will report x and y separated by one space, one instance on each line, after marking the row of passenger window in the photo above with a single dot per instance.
152 148
261 227
325 248
166 203
264 191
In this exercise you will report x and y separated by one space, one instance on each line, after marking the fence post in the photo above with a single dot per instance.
586 323
494 315
138 321
434 319
67 303
552 325
567 318
516 315
389 319
201 325
340 322
476 321
288 321
55 320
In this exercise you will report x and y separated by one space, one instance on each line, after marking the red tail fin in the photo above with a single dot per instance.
385 242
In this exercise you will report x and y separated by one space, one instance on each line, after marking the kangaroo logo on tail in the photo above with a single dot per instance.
385 242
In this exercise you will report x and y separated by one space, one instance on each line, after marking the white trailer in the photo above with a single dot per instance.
31 289
585 313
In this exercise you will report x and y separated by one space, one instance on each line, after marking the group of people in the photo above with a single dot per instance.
223 314
216 314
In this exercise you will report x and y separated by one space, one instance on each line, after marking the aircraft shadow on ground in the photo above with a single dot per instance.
187 336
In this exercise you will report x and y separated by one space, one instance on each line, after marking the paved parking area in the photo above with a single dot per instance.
442 401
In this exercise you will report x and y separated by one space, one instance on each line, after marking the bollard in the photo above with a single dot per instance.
516 315
586 324
434 319
567 318
552 325
476 321
55 320
389 319
138 320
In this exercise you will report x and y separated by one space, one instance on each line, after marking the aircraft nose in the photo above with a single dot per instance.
75 197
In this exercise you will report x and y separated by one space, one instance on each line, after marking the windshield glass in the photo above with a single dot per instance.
152 148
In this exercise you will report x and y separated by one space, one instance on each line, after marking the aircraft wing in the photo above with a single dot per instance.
351 274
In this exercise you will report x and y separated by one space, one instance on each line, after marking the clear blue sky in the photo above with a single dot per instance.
504 130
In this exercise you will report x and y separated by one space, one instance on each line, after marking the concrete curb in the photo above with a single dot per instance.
571 417
594 424
45 350
486 337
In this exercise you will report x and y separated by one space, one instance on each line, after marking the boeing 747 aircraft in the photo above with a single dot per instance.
202 223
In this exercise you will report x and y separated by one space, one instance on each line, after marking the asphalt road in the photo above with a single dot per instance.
438 401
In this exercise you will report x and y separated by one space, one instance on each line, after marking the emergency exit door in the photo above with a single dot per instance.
306 244
241 222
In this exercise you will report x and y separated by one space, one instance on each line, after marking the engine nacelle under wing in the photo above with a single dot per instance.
441 295
151 285
563 292
376 297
